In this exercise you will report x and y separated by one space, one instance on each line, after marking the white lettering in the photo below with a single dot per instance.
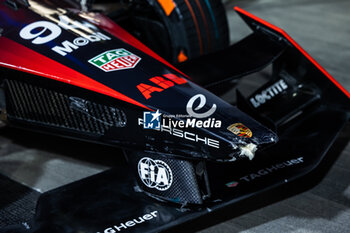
37 29
131 223
268 93
271 169
67 47
42 32
162 177
80 41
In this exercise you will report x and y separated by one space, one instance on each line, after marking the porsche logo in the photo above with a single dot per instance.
240 130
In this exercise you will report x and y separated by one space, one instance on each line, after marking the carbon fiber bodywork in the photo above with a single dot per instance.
79 75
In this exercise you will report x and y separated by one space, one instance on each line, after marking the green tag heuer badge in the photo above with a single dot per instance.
116 59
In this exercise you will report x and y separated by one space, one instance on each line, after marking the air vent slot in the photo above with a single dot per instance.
47 107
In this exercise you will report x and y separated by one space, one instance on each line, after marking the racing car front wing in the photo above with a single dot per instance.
301 102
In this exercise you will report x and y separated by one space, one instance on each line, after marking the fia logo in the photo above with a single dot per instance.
155 174
151 120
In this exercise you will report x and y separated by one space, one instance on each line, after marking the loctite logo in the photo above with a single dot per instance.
269 93
164 82
116 59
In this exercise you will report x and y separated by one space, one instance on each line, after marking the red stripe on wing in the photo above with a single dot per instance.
296 45
16 56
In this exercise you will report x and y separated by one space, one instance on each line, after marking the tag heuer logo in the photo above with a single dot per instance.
116 59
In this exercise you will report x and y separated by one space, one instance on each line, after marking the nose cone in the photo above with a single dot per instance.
241 133
234 134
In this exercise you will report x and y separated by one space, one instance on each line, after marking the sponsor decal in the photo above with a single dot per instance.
232 184
173 126
116 59
202 101
191 123
240 130
67 47
42 32
186 135
269 93
163 83
155 174
151 120
268 170
130 223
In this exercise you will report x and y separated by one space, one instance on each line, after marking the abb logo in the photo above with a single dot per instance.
163 83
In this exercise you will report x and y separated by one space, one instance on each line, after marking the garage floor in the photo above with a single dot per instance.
322 28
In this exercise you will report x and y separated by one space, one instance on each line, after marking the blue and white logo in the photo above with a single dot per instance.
151 120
